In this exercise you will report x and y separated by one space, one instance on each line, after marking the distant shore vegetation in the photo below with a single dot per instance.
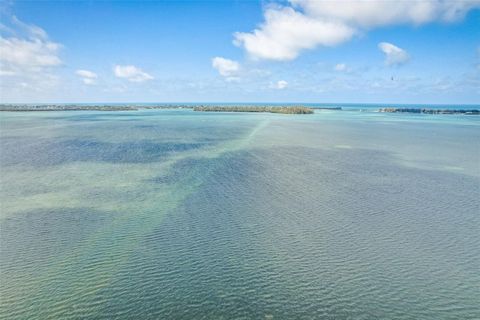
430 111
284 110
68 107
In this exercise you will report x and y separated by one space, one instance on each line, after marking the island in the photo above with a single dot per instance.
203 108
431 111
267 109
64 107
285 109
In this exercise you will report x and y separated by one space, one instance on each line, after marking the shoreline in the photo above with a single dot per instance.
286 109
430 111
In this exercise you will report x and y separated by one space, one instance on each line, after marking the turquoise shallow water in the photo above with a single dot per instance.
174 214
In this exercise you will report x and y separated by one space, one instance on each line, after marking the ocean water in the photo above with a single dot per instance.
175 214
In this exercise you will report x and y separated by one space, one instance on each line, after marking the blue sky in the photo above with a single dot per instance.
240 51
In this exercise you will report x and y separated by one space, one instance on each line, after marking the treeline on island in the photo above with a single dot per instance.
66 107
430 111
74 107
88 107
299 109
284 110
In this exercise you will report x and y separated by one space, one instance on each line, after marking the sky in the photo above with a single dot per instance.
337 51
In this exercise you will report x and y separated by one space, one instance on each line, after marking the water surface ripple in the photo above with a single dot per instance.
177 215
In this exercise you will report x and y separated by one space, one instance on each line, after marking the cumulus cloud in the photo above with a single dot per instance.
374 13
281 84
29 53
88 77
28 59
393 54
226 67
131 73
27 50
307 24
286 32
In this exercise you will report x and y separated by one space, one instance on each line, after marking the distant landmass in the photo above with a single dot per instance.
66 107
430 111
285 109
203 108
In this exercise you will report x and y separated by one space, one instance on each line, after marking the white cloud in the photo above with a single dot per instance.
374 13
393 54
340 67
307 24
29 53
281 84
88 77
86 74
88 81
226 67
131 73
286 32
32 52
28 59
